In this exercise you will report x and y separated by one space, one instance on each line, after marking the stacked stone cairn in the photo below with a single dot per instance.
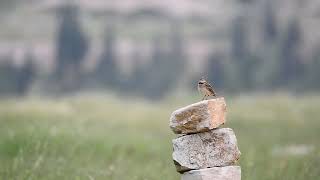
203 150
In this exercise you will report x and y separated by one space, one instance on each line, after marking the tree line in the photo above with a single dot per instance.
276 64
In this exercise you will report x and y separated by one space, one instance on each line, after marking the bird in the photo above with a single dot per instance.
206 89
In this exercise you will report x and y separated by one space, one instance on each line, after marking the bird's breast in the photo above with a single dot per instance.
201 90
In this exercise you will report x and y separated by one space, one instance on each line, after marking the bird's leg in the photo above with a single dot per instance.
203 97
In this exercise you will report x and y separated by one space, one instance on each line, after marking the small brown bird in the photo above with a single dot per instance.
206 89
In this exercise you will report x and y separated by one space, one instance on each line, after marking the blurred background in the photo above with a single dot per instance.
151 49
87 86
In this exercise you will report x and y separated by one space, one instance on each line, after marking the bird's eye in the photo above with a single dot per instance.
200 82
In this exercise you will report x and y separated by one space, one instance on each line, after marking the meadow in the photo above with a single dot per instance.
93 138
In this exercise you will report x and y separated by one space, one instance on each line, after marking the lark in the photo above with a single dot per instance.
206 89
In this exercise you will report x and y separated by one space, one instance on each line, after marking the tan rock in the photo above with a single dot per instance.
215 173
199 117
215 148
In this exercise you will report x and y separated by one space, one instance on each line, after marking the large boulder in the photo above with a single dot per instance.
199 117
215 173
215 148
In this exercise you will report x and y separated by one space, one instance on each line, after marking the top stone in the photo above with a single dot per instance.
199 117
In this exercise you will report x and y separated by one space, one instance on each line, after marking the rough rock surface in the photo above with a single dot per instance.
215 148
199 117
216 173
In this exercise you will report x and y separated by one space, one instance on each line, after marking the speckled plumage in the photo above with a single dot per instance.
206 89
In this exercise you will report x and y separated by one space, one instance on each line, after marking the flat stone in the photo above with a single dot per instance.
215 148
215 173
199 117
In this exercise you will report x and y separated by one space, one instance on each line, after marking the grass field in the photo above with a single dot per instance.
100 138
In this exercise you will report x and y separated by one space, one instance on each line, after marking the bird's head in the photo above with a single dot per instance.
202 81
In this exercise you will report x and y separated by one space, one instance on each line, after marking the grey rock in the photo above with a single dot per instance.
215 148
199 117
215 173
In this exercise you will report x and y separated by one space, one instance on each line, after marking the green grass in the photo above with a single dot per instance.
100 138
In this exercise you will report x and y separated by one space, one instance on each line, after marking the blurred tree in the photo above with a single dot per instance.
239 38
8 76
270 31
72 46
215 70
163 72
177 58
312 75
267 67
242 66
291 67
137 78
157 73
26 75
107 71
267 64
